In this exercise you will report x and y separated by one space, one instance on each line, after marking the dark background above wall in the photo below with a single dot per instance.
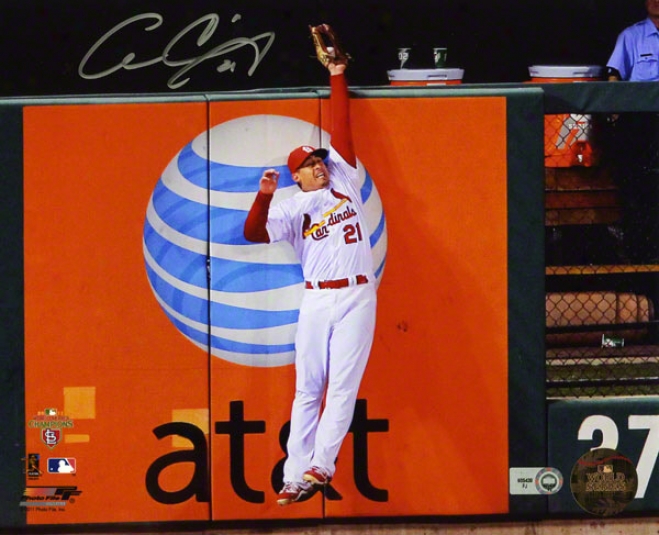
43 43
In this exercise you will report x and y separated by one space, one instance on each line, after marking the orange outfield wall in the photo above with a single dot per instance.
100 349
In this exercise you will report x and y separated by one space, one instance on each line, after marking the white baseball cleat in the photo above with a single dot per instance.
295 492
317 476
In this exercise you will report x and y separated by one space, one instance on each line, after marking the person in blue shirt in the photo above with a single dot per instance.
635 57
635 143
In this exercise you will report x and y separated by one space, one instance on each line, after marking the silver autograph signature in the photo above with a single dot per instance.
209 24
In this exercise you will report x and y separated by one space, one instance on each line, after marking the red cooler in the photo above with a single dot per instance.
568 137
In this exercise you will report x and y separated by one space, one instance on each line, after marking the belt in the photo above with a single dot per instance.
337 283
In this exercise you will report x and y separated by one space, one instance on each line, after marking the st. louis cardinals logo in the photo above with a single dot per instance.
51 437
320 230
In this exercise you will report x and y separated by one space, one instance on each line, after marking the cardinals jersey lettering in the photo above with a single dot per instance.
326 227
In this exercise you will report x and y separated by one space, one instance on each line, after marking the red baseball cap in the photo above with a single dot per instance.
297 156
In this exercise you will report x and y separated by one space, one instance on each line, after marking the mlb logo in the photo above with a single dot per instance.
61 465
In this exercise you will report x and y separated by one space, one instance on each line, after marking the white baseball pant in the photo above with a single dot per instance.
333 343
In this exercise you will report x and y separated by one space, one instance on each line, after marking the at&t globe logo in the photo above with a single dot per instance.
236 299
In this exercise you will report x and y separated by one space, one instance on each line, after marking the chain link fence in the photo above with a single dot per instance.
602 254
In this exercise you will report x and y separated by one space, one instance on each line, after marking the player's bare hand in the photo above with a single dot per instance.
269 181
336 68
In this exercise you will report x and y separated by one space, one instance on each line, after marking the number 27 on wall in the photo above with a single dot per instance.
610 436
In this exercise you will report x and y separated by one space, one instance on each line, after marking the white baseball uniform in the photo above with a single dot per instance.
328 231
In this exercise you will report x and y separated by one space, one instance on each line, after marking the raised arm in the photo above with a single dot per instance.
330 53
341 133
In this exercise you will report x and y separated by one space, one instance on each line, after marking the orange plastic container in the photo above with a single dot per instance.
425 77
568 136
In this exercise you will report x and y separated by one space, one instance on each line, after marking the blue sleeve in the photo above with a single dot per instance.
620 59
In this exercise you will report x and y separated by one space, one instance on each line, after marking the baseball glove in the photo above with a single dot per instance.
327 45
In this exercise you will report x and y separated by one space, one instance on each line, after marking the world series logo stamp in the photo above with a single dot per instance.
603 482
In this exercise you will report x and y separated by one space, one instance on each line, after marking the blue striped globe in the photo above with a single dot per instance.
230 297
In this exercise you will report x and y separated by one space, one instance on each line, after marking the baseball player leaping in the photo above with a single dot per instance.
325 224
